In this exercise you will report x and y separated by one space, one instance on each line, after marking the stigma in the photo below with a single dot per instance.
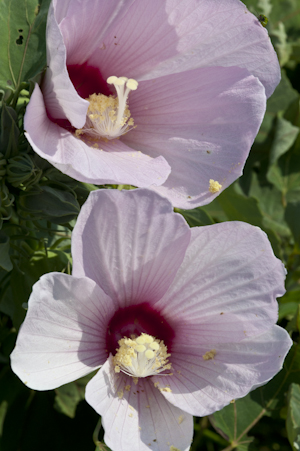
141 357
109 117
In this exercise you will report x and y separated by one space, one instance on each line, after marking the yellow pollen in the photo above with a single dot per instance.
173 448
142 356
108 117
166 389
214 186
209 355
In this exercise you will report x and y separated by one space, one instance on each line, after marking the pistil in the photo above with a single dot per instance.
109 117
141 357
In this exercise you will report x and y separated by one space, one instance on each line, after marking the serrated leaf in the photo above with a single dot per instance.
293 416
22 37
237 419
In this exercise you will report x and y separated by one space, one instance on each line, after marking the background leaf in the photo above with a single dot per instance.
22 37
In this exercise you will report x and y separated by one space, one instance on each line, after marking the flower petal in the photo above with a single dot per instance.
203 122
61 98
137 42
114 163
84 25
226 287
64 332
131 243
201 386
217 33
137 417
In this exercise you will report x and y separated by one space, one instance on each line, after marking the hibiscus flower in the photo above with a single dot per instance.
166 94
180 321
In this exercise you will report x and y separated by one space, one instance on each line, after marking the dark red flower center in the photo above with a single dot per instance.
88 80
135 320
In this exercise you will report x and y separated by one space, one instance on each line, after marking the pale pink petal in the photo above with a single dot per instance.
201 387
131 243
203 122
61 98
138 42
63 336
216 33
152 39
113 163
84 25
226 287
137 417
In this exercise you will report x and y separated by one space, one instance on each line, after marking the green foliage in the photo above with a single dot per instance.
236 420
45 202
22 37
68 396
293 416
5 261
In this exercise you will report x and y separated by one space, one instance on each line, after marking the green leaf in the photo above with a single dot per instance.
69 395
22 37
280 100
5 261
285 175
270 204
23 276
292 217
240 208
293 416
285 136
67 398
196 217
237 419
9 132
45 202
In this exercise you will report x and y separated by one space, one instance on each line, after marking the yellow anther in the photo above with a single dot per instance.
214 186
141 357
108 117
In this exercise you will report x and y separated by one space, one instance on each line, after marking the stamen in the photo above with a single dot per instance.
214 186
141 357
108 117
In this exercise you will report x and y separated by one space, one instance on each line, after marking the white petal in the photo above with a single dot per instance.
139 418
201 386
131 243
63 336
227 285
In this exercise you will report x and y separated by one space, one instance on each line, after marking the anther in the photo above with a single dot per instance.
108 117
141 357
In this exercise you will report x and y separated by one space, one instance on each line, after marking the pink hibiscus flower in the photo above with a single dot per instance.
180 321
167 94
